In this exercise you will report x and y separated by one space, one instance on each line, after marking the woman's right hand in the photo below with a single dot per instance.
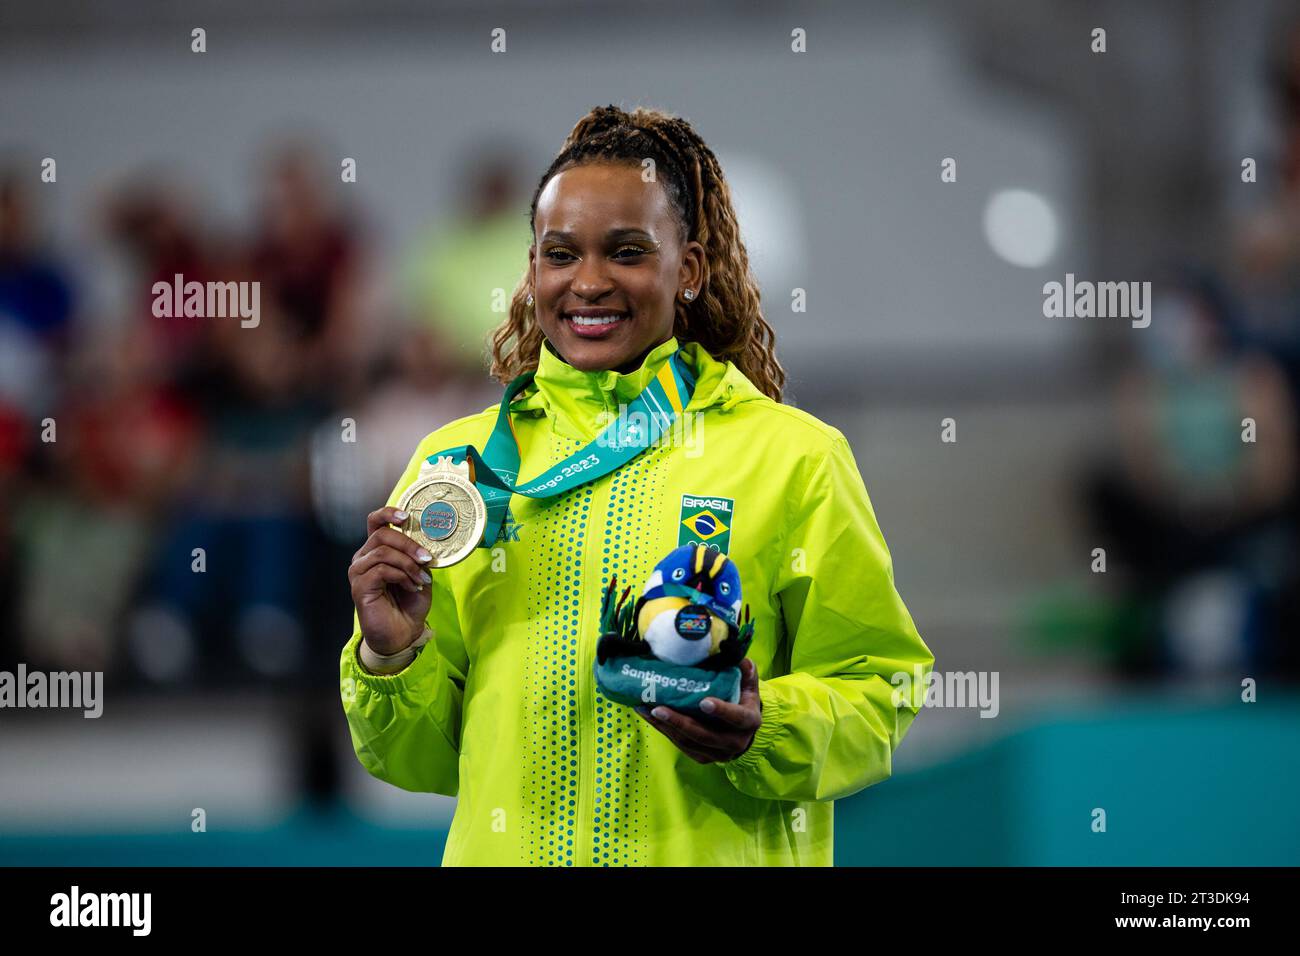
390 585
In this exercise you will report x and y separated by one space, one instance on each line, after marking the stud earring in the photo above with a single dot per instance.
688 295
529 300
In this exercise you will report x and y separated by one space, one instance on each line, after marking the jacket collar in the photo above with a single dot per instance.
581 403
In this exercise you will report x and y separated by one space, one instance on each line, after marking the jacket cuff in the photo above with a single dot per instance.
768 731
420 670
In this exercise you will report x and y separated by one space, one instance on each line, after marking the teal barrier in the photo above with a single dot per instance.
331 838
1180 786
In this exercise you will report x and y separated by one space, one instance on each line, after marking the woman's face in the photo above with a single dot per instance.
607 250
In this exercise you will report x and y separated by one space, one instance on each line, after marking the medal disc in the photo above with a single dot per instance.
446 515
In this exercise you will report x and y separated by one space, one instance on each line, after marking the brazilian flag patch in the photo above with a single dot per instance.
706 521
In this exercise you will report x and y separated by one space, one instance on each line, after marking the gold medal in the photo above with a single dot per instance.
445 512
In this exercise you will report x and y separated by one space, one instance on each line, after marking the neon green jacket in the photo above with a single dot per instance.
500 708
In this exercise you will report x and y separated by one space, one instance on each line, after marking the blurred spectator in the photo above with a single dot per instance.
461 274
1193 516
35 305
36 336
156 223
306 255
246 507
124 442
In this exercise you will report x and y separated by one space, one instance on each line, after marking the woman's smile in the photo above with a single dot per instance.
592 323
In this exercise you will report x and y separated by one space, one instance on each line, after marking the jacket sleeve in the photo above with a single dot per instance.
831 724
405 727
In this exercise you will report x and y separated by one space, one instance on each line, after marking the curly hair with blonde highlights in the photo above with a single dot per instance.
726 318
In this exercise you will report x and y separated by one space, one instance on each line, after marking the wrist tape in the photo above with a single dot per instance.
383 664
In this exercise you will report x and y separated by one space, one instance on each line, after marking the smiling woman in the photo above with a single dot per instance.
477 679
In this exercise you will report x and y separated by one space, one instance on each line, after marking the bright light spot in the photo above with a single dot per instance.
1021 227
771 220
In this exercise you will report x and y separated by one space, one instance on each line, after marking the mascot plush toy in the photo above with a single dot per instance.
682 640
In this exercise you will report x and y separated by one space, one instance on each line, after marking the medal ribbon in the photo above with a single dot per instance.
494 472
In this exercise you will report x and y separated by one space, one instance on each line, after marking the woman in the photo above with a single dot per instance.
476 680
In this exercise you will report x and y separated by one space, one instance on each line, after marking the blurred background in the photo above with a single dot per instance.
1119 690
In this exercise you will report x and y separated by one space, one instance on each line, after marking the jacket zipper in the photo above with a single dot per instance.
600 500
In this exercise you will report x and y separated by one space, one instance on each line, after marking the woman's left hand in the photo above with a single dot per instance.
726 730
